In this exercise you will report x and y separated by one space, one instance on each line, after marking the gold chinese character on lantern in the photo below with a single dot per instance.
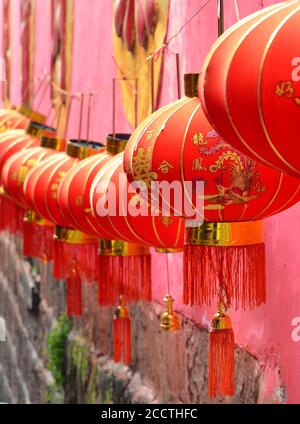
31 162
166 221
199 139
165 166
23 171
79 200
285 89
149 134
197 165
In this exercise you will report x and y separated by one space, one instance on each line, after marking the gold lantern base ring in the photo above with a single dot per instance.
72 236
225 234
121 248
168 250
33 218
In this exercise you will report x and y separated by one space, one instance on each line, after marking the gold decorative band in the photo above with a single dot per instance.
116 143
51 142
79 150
191 85
121 248
71 236
225 234
168 250
32 217
31 114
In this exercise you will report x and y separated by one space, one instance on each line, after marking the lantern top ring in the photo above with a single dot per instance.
31 114
81 149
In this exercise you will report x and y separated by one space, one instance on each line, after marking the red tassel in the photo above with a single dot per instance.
122 334
85 255
74 294
221 363
11 215
130 275
38 241
238 270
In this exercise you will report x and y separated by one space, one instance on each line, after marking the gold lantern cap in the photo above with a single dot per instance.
169 320
31 114
82 149
50 141
38 130
116 143
121 248
191 85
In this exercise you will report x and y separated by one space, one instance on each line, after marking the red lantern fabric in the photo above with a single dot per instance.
157 231
250 86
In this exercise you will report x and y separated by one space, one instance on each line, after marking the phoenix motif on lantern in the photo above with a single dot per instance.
236 180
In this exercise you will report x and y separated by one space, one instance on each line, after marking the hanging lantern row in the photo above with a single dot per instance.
51 189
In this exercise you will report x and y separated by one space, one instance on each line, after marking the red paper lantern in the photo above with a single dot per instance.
177 143
73 251
13 141
250 86
224 258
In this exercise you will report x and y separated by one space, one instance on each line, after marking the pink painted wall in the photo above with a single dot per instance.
266 332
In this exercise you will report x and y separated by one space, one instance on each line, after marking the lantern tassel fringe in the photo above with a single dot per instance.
11 216
241 267
74 294
130 275
122 334
38 241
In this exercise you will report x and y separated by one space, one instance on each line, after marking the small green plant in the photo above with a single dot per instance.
56 347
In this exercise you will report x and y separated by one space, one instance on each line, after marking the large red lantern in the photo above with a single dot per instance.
250 86
73 251
13 141
224 258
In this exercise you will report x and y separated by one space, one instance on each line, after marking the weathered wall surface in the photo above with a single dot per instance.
165 368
